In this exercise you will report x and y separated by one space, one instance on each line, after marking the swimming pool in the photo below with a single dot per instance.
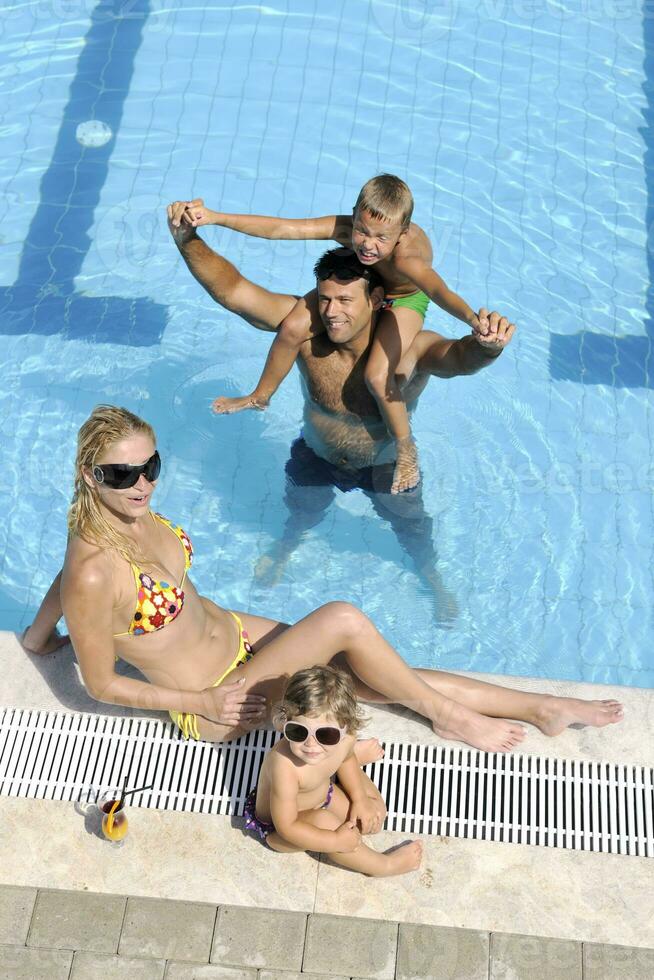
522 129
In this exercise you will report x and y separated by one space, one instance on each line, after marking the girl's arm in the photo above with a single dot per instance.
285 816
337 227
362 807
42 637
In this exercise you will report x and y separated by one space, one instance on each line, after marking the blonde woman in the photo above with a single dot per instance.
125 593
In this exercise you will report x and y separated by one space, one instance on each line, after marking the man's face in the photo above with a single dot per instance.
345 307
373 239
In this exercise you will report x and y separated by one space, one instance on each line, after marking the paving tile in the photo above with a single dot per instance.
436 951
353 947
626 962
284 975
263 938
207 971
22 963
533 956
93 966
77 920
16 906
167 929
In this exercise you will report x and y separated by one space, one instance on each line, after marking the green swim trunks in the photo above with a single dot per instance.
417 301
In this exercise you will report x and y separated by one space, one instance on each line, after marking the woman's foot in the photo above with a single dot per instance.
228 406
368 750
400 860
479 731
406 475
53 642
556 714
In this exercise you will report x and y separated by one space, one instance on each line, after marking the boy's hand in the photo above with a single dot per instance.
366 813
493 331
348 837
196 214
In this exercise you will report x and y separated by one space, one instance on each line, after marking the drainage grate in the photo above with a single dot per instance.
453 792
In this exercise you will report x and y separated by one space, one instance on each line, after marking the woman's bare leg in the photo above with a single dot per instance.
547 712
461 708
339 627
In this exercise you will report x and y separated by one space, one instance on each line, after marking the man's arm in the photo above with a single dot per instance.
336 227
222 280
445 358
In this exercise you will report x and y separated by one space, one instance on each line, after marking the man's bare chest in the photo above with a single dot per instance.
337 383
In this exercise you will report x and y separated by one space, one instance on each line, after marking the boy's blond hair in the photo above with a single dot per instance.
321 690
386 198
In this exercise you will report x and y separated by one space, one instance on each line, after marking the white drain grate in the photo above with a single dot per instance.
454 792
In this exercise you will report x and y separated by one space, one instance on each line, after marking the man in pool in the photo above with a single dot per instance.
344 442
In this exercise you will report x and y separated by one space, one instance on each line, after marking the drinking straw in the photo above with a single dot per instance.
130 792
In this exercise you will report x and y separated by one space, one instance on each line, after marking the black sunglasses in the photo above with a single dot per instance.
324 735
121 476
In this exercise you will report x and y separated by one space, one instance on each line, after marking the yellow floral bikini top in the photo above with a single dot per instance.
157 602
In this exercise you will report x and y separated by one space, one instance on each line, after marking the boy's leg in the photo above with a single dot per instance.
300 325
396 330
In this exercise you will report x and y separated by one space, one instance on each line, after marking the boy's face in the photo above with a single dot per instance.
311 752
373 239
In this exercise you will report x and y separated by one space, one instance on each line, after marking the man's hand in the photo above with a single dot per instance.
181 231
367 815
492 331
196 214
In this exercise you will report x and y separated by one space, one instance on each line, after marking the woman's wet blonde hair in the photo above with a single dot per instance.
318 691
387 198
106 425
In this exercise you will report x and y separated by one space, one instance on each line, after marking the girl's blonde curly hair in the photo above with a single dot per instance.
321 690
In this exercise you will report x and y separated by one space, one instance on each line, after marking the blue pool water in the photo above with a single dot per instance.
524 132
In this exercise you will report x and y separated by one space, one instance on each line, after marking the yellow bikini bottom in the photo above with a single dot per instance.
188 722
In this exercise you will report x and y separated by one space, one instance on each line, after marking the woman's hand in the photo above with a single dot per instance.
229 704
31 642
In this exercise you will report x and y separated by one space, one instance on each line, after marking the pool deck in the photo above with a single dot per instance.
513 901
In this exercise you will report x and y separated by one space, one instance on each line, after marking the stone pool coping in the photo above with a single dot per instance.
485 887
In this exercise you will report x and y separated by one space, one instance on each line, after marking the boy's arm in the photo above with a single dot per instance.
332 226
362 808
285 817
427 279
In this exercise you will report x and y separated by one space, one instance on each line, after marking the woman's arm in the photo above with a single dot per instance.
42 637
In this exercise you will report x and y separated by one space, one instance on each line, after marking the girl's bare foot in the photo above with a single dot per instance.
49 645
556 714
228 406
406 475
487 734
400 860
368 750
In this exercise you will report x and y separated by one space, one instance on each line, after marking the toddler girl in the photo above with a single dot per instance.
296 805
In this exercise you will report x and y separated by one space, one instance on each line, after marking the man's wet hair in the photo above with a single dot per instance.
342 263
